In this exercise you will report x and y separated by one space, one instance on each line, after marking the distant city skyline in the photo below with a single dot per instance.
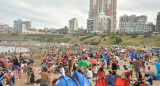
56 13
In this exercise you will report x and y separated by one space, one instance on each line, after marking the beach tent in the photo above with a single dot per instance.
83 81
101 82
158 70
67 81
110 79
121 82
158 67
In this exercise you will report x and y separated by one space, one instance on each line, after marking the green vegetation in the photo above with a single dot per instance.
134 39
14 34
112 37
84 38
118 40
146 35
134 35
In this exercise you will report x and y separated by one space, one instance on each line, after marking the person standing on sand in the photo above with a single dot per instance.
29 69
143 64
137 67
62 71
114 65
101 73
70 66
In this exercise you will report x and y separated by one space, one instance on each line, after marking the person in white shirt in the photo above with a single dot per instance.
95 70
89 74
61 72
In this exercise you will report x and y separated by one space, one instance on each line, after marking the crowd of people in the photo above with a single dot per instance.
64 60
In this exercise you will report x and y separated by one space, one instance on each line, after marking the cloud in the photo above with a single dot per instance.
56 13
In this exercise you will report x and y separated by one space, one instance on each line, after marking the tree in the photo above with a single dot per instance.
112 37
146 35
135 35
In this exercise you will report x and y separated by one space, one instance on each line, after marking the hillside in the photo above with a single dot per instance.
91 40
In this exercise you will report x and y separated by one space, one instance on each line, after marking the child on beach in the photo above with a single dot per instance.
25 68
19 72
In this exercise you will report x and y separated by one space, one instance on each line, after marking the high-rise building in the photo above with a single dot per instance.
101 24
89 25
108 7
132 24
73 25
18 26
23 27
28 25
158 23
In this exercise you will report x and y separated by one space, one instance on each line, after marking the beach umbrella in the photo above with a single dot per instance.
93 61
84 63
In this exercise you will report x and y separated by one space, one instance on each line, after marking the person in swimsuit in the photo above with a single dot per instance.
45 78
128 75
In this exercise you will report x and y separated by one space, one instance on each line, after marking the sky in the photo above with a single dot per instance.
57 13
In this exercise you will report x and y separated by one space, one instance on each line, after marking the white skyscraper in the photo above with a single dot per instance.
106 7
73 25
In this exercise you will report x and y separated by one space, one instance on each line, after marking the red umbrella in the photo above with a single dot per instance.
93 61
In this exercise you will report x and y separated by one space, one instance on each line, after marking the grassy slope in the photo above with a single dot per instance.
126 40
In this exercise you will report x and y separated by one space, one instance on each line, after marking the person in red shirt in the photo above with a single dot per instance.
64 61
101 73
52 54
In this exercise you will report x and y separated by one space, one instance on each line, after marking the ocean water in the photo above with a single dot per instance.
12 49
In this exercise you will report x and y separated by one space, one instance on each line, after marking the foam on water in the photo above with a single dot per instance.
12 49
